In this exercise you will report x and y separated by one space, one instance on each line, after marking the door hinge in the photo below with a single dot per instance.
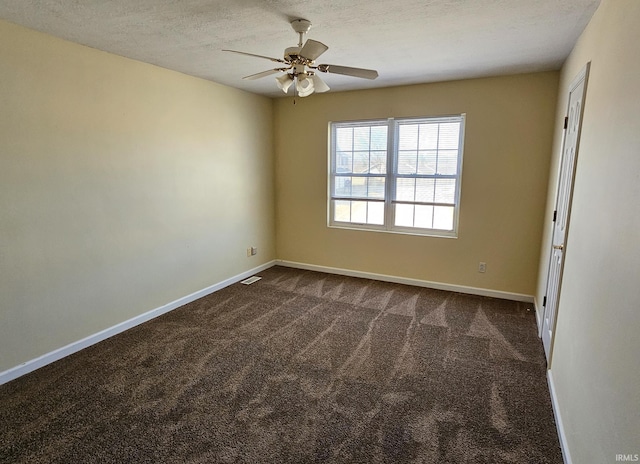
555 215
544 301
566 122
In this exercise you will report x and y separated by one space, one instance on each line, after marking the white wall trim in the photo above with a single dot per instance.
566 456
55 355
408 281
539 316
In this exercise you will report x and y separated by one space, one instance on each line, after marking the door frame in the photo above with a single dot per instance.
583 75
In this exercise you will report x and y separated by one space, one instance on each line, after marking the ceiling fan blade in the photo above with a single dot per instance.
312 49
319 85
276 60
253 77
348 71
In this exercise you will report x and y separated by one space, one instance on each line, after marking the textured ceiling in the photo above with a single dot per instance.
407 41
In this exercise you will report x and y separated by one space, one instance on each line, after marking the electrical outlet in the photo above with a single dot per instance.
482 267
254 251
249 252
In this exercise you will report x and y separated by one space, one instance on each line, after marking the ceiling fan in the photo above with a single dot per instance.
299 66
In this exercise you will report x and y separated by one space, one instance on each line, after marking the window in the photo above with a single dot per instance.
399 175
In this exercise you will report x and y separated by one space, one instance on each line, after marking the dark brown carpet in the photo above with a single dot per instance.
300 367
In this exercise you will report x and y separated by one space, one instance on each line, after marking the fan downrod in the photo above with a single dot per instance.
301 26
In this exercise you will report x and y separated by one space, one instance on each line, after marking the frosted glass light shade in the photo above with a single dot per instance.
319 85
284 82
305 86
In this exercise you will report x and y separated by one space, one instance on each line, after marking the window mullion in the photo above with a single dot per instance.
390 183
435 182
332 173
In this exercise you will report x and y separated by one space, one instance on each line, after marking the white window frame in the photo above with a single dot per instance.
392 176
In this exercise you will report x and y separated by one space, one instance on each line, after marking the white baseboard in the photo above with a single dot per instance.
408 281
566 456
36 363
48 358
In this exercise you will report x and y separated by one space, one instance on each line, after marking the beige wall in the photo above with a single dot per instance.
595 361
123 187
508 139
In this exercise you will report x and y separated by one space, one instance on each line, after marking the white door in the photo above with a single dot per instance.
573 123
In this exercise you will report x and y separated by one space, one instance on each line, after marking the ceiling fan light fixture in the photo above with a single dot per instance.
305 85
300 68
284 82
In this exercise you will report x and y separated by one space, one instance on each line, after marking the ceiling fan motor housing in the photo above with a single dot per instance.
292 53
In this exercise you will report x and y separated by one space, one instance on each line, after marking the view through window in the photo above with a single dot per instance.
397 174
